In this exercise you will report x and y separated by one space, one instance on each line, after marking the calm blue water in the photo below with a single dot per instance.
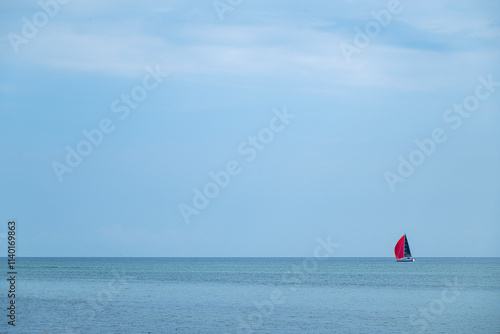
255 295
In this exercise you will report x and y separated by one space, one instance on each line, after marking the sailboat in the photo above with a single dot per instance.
402 250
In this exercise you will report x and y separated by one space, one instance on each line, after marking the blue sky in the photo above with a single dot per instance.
323 173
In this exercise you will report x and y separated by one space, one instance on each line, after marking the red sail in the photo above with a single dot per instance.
400 248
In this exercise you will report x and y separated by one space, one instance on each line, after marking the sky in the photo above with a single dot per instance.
250 128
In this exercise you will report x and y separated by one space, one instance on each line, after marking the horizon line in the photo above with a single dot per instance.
252 257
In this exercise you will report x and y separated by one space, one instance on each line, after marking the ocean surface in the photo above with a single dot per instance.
254 295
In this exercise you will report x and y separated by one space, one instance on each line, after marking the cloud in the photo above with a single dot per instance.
111 53
453 22
205 50
279 51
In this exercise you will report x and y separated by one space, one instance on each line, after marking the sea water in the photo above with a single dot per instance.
254 295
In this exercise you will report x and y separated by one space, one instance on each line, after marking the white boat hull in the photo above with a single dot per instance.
405 259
